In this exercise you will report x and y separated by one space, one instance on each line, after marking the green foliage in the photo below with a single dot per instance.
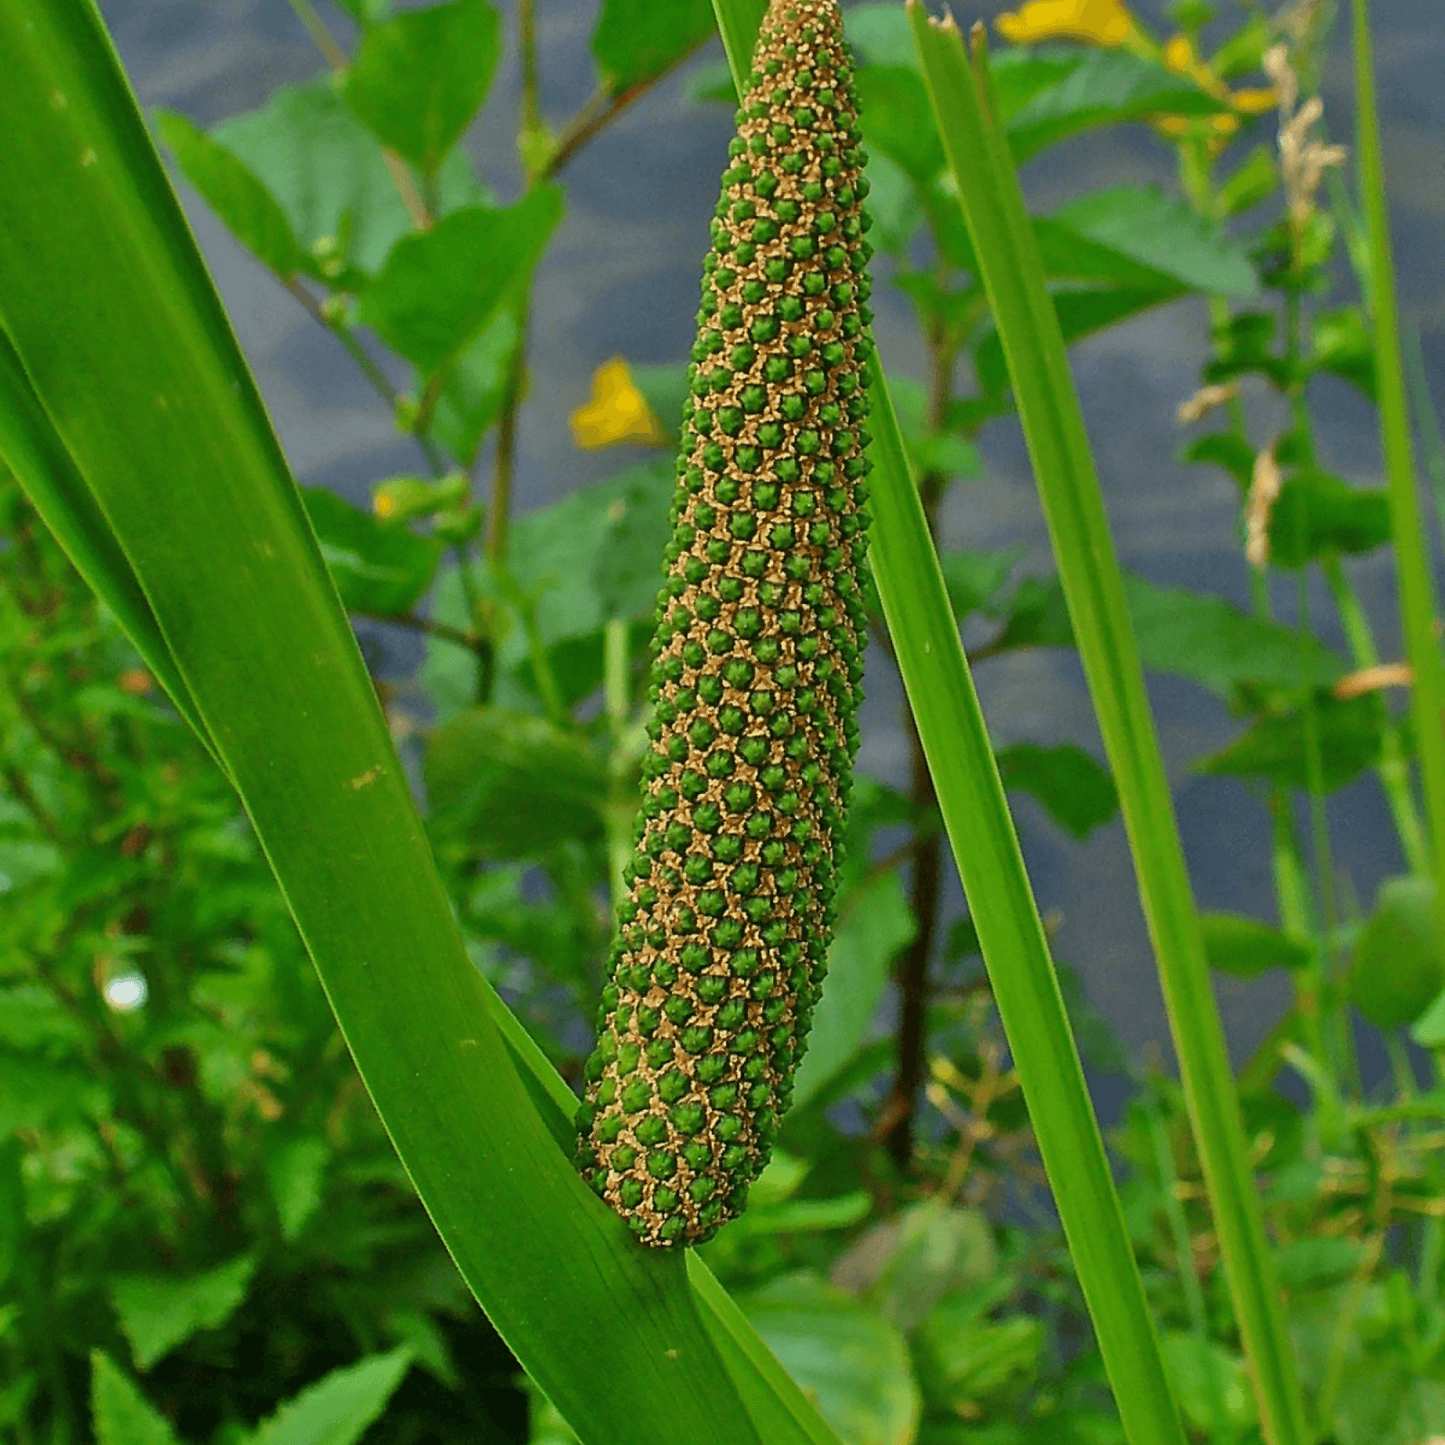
418 79
200 1213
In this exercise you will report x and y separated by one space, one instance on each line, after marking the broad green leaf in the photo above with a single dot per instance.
509 783
1317 514
337 1409
878 35
971 1365
850 1360
1070 255
1342 345
1429 1029
1250 183
1226 450
664 388
1313 1263
636 40
122 1415
596 555
893 111
1244 947
1398 966
244 205
1075 790
894 205
975 579
1149 227
1105 86
326 171
938 451
874 925
160 1311
1273 750
1216 645
378 569
419 78
35 1094
440 288
1082 312
32 1016
1210 1381
475 389
1185 633
906 1264
295 1171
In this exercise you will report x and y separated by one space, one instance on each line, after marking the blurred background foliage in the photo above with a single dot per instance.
204 1232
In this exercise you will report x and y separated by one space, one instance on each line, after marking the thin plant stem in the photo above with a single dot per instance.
618 703
320 36
1393 768
505 462
1417 601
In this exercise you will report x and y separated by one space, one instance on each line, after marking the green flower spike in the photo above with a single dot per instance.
757 665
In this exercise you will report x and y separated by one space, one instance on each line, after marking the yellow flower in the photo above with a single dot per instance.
617 412
1180 57
1100 22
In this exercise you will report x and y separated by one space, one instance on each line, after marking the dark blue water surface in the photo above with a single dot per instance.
622 277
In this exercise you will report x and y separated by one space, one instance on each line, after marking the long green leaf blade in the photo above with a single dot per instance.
1013 276
119 329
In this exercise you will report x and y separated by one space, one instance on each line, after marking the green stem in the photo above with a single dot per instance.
623 800
1393 769
1417 603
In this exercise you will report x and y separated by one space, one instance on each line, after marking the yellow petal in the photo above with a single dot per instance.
1100 22
1254 102
617 412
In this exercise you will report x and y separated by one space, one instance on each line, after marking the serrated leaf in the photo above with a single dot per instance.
1244 947
246 208
969 1363
121 1414
378 569
638 39
1077 793
513 783
326 172
1273 750
440 288
419 78
1159 232
874 925
1398 966
337 1409
850 1360
160 1311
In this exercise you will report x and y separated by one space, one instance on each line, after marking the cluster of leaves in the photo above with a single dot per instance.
194 1184
203 1229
